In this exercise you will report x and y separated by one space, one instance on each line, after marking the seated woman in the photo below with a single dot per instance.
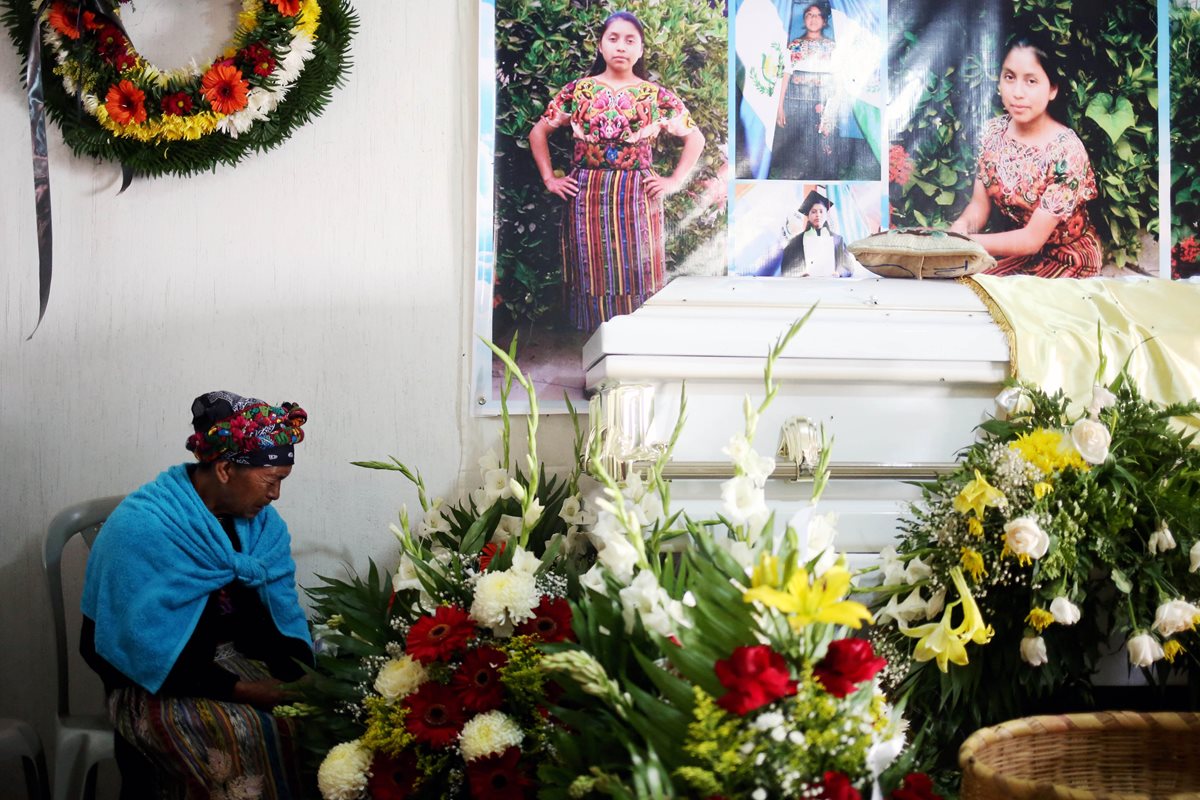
191 618
1036 172
816 251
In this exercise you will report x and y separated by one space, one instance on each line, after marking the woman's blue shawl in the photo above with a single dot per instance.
158 558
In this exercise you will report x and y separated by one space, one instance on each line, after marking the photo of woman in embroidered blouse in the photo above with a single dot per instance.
1034 170
612 231
814 120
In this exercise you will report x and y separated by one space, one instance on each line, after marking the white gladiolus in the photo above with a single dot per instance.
917 570
1144 650
594 579
508 528
620 556
937 602
406 576
495 484
912 608
742 499
1102 398
1065 612
1033 651
1194 557
892 567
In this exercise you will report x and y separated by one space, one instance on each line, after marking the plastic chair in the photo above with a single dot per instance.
19 740
81 741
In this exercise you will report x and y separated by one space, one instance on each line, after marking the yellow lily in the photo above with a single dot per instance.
944 642
978 495
805 603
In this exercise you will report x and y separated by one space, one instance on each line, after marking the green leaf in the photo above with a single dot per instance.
1114 116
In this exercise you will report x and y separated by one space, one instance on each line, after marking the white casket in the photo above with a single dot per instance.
898 372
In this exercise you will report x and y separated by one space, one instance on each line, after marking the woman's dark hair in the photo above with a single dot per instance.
1051 65
599 65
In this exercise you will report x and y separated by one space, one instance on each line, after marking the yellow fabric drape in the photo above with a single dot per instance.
1051 326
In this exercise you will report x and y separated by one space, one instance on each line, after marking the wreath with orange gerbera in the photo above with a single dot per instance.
277 72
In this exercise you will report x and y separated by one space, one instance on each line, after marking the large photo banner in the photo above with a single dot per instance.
624 144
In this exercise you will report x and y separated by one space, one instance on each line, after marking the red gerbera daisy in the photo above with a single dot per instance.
258 58
499 777
477 681
433 638
125 103
394 778
435 715
551 621
110 43
489 551
177 104
62 18
288 8
224 88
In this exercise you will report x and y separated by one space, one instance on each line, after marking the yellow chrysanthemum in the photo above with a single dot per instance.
974 527
823 600
248 17
1041 489
1171 649
972 562
1050 451
167 127
1039 619
308 19
978 495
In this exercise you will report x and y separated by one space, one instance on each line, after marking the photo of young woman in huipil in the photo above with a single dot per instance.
1034 170
612 230
814 116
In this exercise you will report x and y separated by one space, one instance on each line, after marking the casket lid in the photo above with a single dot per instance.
698 325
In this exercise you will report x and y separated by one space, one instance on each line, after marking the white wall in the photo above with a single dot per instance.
334 271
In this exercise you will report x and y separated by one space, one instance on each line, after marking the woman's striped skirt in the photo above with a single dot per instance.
612 246
194 748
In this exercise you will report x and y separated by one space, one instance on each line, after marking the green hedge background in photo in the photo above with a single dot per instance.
1185 133
1108 52
541 45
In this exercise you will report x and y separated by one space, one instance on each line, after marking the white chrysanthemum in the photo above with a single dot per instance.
343 773
400 677
488 734
504 598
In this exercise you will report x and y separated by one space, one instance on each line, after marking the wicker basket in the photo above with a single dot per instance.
1113 755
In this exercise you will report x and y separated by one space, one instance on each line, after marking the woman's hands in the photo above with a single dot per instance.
265 693
659 187
565 187
780 117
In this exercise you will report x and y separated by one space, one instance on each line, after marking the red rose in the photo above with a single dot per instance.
477 680
437 637
754 677
551 621
435 715
499 777
847 663
838 787
916 786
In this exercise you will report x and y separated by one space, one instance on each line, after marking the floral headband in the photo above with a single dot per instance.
245 430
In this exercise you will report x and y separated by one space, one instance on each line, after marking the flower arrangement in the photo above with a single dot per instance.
538 636
1064 531
726 669
278 70
433 689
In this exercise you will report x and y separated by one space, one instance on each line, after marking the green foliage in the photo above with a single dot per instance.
1099 520
541 45
1108 54
306 100
1185 134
